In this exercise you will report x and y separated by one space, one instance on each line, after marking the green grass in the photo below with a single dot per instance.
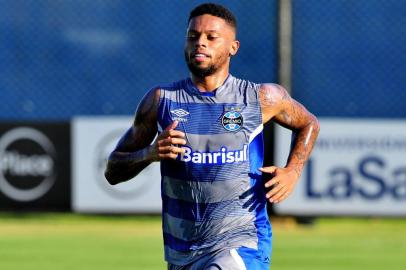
68 241
341 244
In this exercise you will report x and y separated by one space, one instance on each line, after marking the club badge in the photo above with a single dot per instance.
232 120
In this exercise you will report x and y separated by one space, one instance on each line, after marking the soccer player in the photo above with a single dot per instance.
210 146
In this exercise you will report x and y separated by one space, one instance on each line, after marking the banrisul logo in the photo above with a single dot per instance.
232 121
222 156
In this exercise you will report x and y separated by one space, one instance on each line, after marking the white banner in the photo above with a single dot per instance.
358 167
93 140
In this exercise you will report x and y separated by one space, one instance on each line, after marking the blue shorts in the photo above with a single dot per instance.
242 258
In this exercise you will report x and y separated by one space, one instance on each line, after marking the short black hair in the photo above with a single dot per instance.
214 10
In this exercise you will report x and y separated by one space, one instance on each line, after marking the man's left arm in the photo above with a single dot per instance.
277 105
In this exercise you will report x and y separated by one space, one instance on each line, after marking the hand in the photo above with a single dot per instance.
282 182
164 146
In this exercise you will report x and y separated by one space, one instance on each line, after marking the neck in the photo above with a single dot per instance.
210 83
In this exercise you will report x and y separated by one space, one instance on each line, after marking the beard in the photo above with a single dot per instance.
200 72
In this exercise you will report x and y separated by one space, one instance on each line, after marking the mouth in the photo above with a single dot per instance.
199 57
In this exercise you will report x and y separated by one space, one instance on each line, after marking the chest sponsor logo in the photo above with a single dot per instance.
222 156
232 121
179 115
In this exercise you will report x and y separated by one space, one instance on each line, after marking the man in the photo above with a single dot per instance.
210 147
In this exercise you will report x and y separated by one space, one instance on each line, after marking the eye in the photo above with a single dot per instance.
212 37
191 36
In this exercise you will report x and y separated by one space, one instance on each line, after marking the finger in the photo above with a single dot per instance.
275 180
270 169
172 153
170 141
278 195
171 133
170 149
273 191
282 197
177 150
176 133
172 126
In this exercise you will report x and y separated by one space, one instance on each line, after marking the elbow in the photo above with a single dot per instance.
316 124
110 177
112 172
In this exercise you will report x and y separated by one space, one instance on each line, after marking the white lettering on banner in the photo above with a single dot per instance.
358 167
222 156
370 171
351 143
17 164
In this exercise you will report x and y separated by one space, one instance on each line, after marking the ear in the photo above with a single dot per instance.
234 47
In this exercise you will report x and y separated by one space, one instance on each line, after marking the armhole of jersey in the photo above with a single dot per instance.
257 87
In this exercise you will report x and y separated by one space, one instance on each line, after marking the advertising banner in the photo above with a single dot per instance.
358 167
35 166
93 140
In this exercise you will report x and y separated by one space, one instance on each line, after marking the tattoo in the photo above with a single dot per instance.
286 117
302 144
300 156
298 170
271 94
278 105
266 98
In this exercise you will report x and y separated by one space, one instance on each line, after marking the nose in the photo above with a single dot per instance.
201 41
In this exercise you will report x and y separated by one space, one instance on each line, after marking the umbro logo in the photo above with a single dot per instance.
180 112
180 115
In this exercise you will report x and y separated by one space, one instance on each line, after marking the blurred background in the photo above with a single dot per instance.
73 71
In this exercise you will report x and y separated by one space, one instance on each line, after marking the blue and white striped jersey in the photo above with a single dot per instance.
213 196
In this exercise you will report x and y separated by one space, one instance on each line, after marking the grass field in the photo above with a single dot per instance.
68 241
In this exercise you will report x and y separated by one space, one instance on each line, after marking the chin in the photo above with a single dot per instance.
200 69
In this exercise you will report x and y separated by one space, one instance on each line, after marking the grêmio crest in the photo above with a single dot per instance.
232 119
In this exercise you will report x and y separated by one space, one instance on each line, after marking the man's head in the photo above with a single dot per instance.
214 10
211 39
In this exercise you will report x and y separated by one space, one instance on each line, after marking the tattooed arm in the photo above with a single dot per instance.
134 151
276 104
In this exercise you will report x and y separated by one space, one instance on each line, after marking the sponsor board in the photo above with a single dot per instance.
35 166
93 140
358 167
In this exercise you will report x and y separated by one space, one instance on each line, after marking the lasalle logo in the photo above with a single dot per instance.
232 121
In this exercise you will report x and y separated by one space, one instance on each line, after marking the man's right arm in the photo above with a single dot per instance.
134 151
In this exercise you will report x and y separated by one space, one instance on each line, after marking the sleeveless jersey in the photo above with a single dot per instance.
213 197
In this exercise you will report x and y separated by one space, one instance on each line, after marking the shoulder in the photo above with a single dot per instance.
270 94
265 93
273 99
245 84
173 86
247 88
161 90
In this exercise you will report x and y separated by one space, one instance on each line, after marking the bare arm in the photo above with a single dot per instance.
134 151
276 104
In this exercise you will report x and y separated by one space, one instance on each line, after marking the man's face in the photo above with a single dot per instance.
209 43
